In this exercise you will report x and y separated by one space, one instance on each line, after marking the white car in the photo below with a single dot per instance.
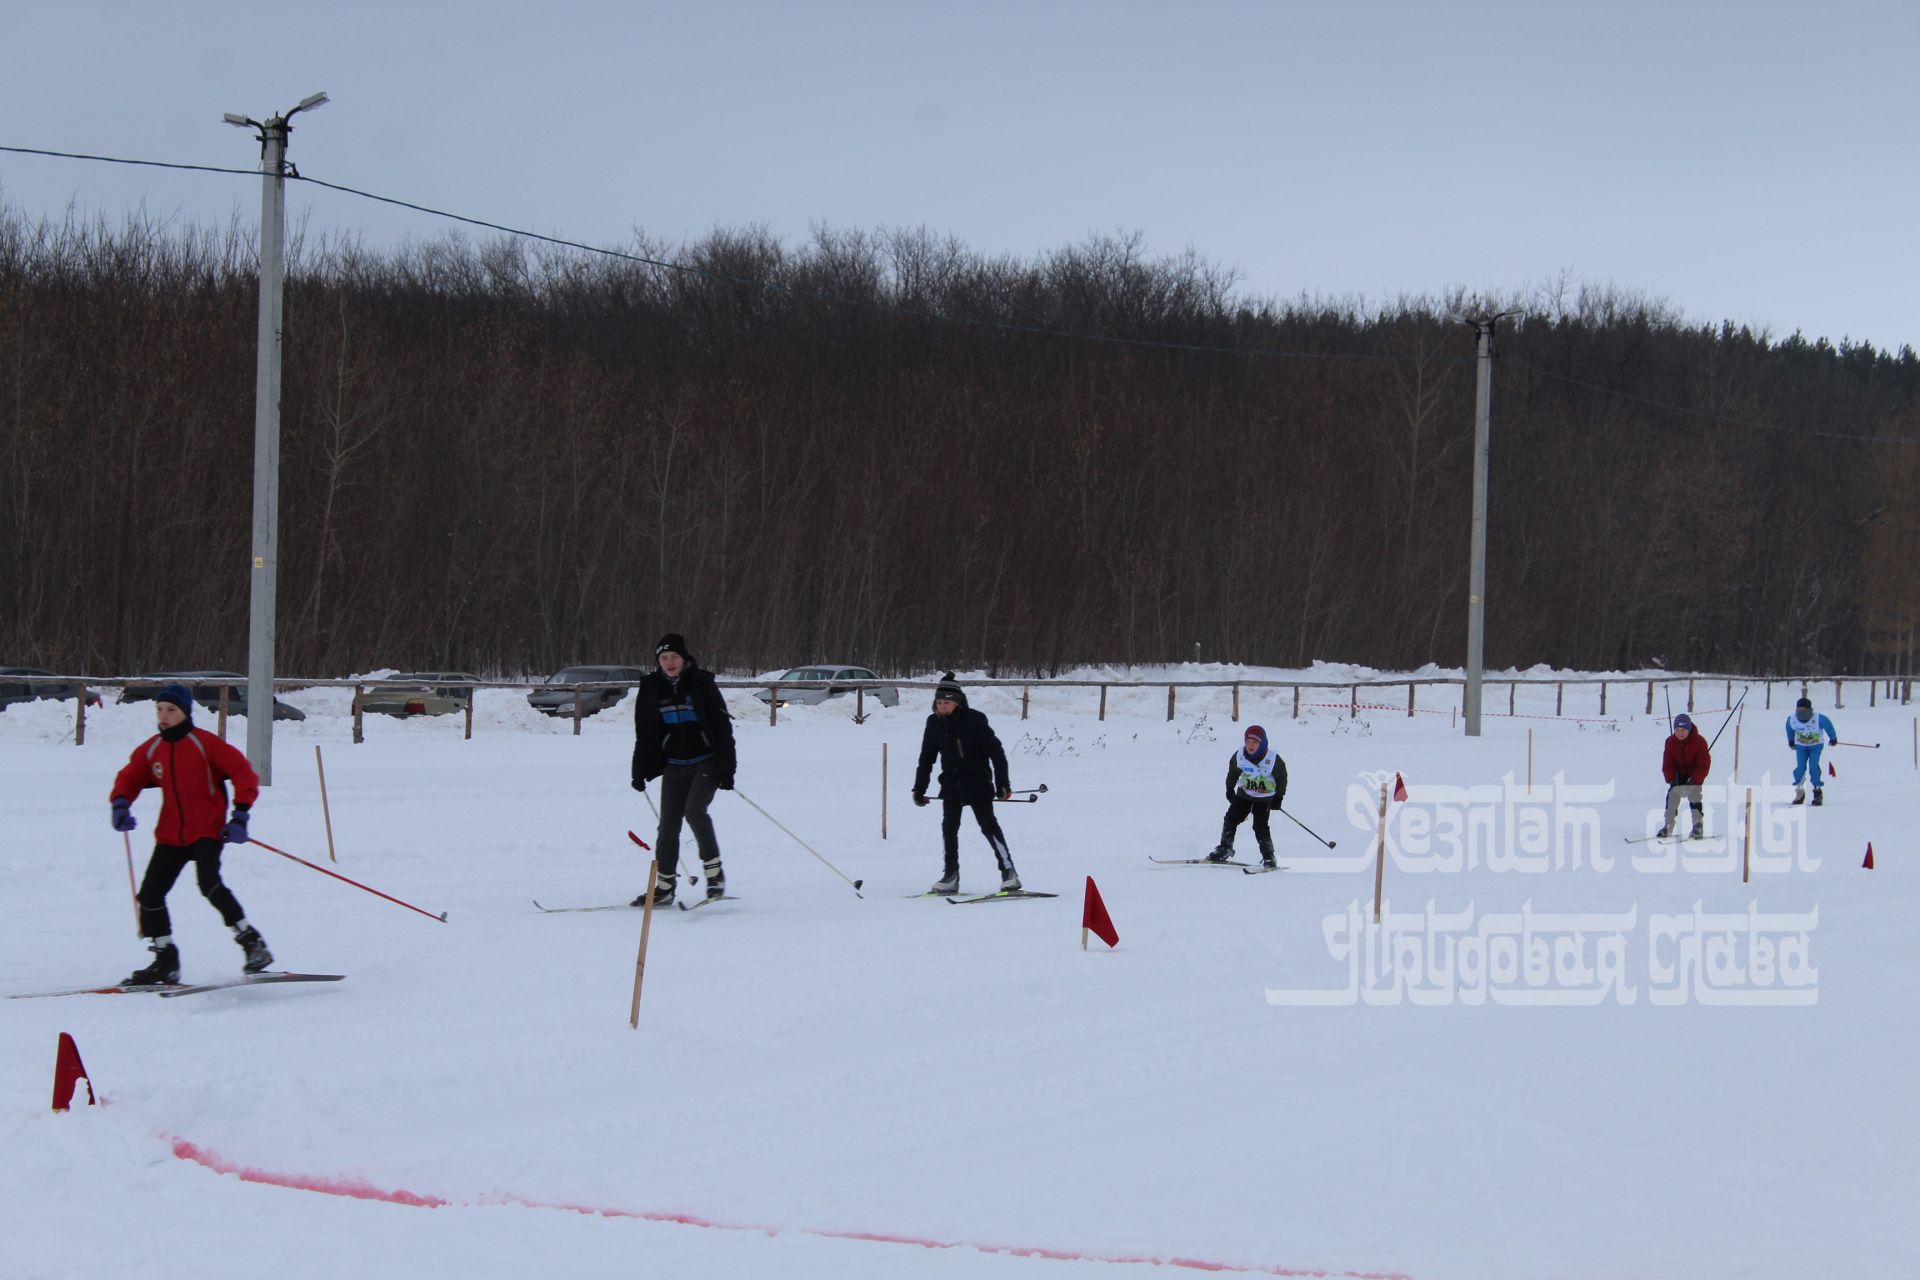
838 681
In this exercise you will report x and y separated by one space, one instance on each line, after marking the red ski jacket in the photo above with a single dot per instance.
1689 759
192 775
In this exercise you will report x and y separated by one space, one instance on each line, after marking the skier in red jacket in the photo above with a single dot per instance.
192 768
1685 763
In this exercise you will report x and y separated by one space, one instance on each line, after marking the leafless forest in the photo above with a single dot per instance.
887 448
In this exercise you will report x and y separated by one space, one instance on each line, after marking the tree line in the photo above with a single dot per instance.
886 448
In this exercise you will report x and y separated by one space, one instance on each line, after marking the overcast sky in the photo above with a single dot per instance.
1755 162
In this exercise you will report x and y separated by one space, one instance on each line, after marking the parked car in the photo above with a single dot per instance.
558 701
29 684
205 686
830 671
420 693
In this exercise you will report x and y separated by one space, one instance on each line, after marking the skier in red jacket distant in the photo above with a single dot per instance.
1685 763
192 768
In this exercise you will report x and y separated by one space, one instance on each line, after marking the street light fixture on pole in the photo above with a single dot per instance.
1477 571
266 429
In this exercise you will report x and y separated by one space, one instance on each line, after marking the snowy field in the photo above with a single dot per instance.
1561 1055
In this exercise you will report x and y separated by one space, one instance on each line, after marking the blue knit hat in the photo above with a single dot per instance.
1682 721
178 695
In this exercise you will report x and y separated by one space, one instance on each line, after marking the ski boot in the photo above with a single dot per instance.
716 878
163 972
1800 796
1266 857
947 883
1009 881
1819 795
258 957
1220 853
662 894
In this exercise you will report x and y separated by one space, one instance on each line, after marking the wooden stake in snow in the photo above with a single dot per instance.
640 963
883 791
1746 858
325 812
1380 855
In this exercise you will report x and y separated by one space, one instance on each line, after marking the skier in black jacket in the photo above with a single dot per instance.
973 771
683 735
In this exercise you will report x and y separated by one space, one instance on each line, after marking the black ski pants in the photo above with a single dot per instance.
1237 810
685 792
168 861
950 811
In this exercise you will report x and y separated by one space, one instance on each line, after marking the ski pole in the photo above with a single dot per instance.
1729 720
130 886
1310 831
1031 791
442 917
1868 746
804 845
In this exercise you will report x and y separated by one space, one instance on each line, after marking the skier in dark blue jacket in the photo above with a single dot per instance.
973 773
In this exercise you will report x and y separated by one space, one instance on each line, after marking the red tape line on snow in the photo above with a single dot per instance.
359 1189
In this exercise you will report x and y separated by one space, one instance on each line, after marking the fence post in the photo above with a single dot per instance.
80 714
1103 702
1649 697
1837 704
1689 694
1559 697
1769 695
1025 691
576 708
1873 693
1411 686
223 713
860 705
359 731
471 693
1603 697
1513 696
1353 701
1296 702
773 704
1729 693
1169 702
1236 702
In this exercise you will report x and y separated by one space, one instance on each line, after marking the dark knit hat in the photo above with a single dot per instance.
1255 731
178 695
1805 704
672 642
949 688
1682 721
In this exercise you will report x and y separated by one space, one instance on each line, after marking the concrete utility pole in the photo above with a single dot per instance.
1477 570
266 430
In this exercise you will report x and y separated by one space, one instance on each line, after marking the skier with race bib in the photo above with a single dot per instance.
1808 734
1257 785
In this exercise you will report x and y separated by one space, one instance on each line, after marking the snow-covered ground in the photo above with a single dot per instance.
1562 1055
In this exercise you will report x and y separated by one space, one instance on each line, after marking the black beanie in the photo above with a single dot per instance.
672 642
949 688
1805 704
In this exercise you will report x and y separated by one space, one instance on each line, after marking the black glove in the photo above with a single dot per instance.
236 832
726 782
640 785
919 800
1684 780
123 819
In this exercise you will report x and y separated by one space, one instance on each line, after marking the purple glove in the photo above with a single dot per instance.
236 832
123 819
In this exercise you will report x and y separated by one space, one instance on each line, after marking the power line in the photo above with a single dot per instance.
708 273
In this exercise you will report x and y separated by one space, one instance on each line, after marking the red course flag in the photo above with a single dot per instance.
1831 771
1399 789
67 1071
1868 864
1094 916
